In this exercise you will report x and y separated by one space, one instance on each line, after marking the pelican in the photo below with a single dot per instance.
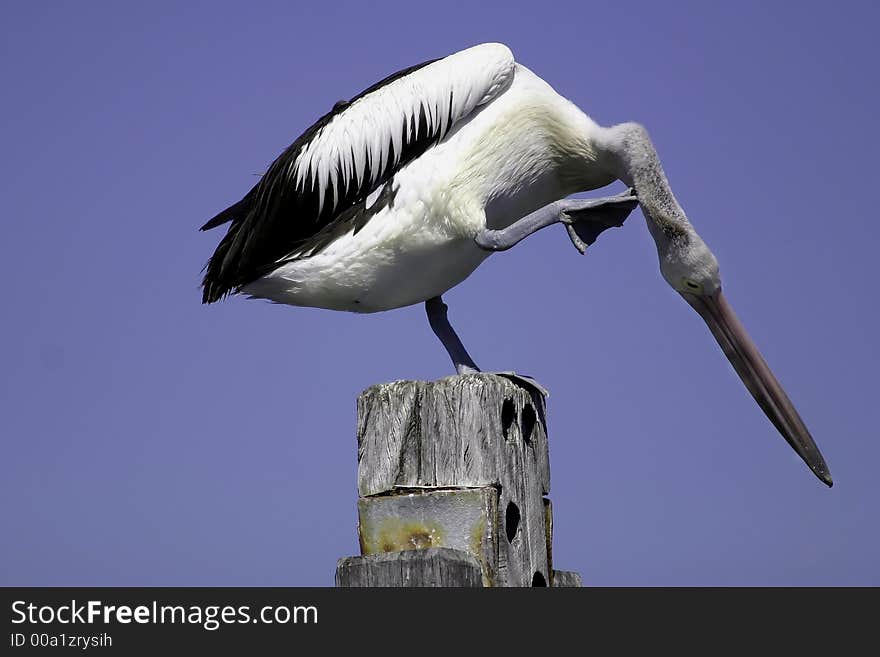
398 194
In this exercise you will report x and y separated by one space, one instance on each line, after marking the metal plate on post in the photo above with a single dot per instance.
462 519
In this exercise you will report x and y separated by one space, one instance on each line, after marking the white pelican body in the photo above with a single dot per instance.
397 195
521 151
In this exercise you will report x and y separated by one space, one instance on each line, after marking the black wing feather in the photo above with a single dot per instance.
276 222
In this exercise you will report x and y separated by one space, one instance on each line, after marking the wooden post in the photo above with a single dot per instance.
460 464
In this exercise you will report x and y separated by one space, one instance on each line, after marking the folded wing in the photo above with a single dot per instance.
347 154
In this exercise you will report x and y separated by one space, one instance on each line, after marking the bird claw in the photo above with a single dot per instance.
522 380
578 243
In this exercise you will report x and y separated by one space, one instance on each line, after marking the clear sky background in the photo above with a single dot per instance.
148 440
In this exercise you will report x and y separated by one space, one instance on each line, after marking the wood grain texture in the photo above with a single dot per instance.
465 431
566 579
458 431
548 535
429 567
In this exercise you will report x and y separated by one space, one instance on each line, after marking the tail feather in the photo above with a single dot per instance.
221 276
237 211
215 285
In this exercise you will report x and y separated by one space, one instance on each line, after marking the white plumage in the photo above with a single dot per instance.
372 130
514 146
394 197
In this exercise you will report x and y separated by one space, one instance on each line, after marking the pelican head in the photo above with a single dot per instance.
691 269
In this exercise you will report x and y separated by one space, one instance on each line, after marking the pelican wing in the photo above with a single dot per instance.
310 191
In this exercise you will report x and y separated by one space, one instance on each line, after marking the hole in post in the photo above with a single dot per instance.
508 415
529 418
511 520
538 580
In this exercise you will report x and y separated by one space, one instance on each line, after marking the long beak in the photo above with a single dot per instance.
756 375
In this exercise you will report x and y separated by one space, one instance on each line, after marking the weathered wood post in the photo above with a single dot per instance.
452 479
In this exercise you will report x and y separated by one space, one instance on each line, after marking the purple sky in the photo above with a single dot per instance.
148 440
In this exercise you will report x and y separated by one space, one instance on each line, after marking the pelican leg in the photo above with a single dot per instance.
584 218
436 311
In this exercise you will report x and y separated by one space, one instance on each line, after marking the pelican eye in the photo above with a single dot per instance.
695 287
